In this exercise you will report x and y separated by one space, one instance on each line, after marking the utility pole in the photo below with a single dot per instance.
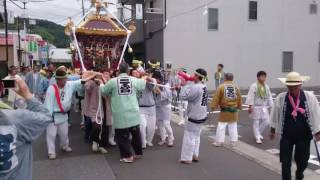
144 30
19 43
82 8
6 30
25 33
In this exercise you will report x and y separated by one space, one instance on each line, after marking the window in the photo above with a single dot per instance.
213 19
151 4
287 61
253 10
319 52
313 9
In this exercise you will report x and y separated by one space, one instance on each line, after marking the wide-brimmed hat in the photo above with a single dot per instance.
4 105
136 61
61 73
294 79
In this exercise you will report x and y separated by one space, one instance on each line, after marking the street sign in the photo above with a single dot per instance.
139 11
32 46
32 22
43 54
1 7
10 17
30 56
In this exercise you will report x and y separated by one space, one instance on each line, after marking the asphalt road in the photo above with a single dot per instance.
158 163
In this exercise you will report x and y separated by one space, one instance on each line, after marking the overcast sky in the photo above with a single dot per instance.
57 10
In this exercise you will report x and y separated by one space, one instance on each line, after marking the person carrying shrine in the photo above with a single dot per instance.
163 99
136 64
58 102
125 111
147 106
197 96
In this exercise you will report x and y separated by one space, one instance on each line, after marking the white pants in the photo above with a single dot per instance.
147 124
221 131
191 141
111 133
259 125
52 131
165 129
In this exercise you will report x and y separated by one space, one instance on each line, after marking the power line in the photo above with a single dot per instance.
194 9
42 1
184 12
16 4
66 18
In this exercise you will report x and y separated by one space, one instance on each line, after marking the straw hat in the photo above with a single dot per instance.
61 73
135 61
294 79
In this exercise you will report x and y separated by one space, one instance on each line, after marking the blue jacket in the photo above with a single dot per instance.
18 129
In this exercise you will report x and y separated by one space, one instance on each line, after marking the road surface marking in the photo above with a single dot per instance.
312 160
273 151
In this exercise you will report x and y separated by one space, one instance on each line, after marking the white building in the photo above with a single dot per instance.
278 36
60 56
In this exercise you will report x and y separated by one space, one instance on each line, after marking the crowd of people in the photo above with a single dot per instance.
125 108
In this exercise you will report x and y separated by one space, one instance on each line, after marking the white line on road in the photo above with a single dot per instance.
312 159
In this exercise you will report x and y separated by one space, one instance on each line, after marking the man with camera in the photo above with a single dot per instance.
14 99
18 130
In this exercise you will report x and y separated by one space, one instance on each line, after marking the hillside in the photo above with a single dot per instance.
50 31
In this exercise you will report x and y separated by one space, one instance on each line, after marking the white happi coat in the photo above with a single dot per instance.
312 109
260 105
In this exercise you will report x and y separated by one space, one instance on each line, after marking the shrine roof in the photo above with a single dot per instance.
101 25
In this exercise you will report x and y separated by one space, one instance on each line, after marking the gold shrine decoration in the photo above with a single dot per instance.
68 27
132 26
114 31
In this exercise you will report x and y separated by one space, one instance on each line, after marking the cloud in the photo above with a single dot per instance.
57 10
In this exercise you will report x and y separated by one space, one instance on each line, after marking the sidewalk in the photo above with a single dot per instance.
158 163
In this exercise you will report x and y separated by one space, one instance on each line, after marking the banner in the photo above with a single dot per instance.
44 54
10 17
1 7
32 46
139 11
32 22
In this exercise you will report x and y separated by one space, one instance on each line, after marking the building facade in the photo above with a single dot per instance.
147 40
246 36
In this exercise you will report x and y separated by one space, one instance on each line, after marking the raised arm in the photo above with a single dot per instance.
187 94
32 121
106 89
